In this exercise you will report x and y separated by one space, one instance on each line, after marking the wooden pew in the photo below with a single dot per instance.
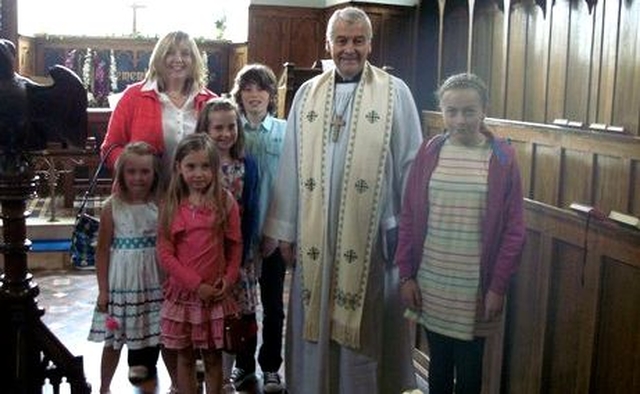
572 313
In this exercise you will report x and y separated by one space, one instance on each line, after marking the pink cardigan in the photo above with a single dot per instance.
503 230
195 255
138 117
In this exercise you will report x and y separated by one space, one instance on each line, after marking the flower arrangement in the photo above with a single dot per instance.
87 70
87 76
100 81
205 62
113 72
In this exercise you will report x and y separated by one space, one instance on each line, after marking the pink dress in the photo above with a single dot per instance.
197 255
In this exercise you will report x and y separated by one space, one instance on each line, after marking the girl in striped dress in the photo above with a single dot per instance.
460 236
129 281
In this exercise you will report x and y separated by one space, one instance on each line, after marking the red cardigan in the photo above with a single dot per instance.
138 117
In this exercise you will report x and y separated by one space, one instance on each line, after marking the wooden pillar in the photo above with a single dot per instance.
442 4
30 352
472 6
505 55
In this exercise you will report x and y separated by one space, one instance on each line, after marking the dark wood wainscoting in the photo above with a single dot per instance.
285 34
573 318
296 35
542 60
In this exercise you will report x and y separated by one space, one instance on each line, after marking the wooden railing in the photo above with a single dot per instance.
561 165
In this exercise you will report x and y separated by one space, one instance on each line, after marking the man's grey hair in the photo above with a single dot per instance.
351 16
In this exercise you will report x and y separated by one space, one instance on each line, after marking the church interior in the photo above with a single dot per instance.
564 82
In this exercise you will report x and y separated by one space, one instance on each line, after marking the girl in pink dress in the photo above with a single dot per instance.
200 248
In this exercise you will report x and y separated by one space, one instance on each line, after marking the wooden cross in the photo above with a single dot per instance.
336 126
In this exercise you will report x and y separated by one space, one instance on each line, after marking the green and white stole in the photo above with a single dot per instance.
369 135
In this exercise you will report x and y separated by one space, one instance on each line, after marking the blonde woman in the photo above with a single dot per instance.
162 108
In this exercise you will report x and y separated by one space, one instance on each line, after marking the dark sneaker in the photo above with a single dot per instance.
138 374
272 383
240 378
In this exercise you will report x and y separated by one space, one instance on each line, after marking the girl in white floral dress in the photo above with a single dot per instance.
129 280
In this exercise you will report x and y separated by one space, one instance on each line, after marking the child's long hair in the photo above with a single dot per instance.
222 104
215 196
139 148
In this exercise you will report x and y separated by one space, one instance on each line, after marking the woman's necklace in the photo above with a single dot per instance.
338 121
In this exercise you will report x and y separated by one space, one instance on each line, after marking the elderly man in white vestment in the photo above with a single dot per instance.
352 134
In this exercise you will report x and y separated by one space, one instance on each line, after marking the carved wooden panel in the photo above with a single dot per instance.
617 344
578 54
566 59
237 60
307 45
393 38
558 44
607 13
278 35
572 316
546 173
285 34
576 182
482 56
516 72
627 92
456 30
536 66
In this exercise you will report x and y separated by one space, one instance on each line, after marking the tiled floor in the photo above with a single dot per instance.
68 298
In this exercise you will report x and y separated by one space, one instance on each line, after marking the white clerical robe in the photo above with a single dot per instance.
383 364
